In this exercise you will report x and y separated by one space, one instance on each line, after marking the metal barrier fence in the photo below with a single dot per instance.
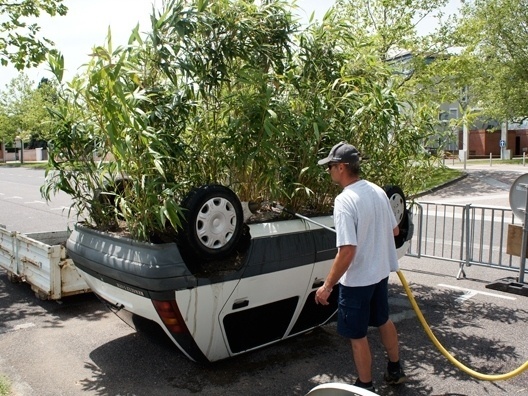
465 234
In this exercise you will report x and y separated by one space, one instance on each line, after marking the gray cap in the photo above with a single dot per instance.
341 152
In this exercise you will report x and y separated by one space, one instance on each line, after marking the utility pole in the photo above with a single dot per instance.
465 132
504 138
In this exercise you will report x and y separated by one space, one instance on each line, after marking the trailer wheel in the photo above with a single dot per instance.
213 222
42 296
13 278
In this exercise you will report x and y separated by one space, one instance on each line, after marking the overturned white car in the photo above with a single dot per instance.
225 287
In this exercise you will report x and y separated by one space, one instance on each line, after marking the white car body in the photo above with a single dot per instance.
267 299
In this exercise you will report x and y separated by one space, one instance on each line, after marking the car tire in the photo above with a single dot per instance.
397 202
399 208
213 223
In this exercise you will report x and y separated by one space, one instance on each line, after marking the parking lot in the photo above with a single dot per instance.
75 346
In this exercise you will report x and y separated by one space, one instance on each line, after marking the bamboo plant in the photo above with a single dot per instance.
225 92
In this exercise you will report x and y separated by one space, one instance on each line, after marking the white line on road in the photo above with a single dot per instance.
471 293
35 202
60 208
14 197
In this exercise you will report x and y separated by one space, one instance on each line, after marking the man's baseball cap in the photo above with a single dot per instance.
341 152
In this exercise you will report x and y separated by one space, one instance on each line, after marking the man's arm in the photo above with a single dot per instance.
342 260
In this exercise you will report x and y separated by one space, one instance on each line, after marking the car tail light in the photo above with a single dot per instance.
171 316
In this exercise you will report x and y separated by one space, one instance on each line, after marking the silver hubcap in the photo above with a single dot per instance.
216 223
396 202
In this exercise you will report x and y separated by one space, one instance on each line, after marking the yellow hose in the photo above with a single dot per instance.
473 373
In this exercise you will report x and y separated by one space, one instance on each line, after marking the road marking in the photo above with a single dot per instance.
471 292
60 208
35 202
14 197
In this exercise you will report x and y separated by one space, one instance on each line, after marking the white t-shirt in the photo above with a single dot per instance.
364 218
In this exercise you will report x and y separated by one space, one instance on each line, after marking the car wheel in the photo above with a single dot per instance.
399 208
397 202
213 222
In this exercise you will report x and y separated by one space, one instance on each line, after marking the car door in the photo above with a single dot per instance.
272 289
312 314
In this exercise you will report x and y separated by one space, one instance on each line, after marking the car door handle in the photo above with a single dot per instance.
240 304
318 283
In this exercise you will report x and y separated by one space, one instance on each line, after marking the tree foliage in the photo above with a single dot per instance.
23 110
424 73
494 38
235 93
20 42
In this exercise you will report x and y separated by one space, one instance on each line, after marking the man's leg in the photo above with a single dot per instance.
389 339
362 358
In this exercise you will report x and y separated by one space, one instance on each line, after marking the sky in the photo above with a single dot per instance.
86 25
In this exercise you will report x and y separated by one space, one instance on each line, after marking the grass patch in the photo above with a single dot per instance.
441 176
32 165
5 386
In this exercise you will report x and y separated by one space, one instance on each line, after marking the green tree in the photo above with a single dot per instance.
20 43
23 110
494 37
423 73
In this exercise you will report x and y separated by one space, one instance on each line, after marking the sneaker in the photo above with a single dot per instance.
396 377
361 385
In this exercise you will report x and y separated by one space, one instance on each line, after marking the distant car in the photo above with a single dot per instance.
225 287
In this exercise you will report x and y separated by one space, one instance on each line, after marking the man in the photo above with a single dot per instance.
365 229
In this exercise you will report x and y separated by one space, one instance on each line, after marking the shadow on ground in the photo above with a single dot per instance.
149 364
18 304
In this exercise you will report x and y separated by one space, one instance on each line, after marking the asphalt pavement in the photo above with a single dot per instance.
76 347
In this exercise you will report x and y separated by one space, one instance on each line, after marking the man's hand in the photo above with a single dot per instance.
322 294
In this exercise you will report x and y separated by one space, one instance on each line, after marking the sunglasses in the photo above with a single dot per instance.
335 163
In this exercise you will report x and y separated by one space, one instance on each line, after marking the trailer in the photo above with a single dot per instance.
41 260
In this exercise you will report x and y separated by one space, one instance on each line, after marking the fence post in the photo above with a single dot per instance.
524 246
466 239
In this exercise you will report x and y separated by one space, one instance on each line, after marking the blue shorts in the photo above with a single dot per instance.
361 307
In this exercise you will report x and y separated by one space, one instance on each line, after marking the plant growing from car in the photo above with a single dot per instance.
224 92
